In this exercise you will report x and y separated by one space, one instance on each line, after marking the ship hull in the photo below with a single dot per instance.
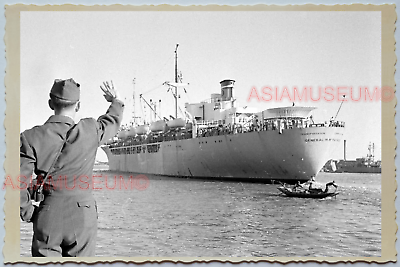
359 169
294 155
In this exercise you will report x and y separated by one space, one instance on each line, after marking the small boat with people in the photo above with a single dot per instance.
307 190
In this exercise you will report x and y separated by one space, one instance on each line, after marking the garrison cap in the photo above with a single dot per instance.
67 90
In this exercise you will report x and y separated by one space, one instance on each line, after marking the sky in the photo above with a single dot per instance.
256 49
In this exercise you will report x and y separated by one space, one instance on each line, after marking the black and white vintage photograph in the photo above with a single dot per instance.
219 134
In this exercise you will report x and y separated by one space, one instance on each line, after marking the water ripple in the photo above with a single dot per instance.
196 218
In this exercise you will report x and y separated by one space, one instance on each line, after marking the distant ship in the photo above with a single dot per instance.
217 140
366 164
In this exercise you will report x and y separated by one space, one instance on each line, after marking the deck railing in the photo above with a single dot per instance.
212 129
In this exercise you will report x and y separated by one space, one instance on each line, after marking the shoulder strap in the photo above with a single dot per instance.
55 159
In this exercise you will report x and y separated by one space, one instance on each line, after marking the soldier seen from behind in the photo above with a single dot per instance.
61 153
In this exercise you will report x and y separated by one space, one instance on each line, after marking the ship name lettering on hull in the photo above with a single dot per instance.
321 140
136 149
311 133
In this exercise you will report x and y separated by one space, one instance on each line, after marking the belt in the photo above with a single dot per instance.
65 192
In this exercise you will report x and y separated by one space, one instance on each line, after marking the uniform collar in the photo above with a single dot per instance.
60 119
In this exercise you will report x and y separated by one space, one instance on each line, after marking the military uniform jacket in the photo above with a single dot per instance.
72 172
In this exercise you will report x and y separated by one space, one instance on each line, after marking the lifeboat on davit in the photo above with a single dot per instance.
158 126
131 132
176 123
122 134
142 129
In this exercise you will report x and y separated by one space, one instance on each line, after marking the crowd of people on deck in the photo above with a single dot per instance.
205 130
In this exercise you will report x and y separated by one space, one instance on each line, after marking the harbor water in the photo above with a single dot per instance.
177 217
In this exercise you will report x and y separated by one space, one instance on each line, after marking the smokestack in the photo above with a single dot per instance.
227 89
344 149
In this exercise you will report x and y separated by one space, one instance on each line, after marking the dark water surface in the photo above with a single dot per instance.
177 217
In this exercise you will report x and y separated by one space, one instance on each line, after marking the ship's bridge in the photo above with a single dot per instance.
287 112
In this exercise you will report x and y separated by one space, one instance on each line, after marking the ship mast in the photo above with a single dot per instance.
371 150
134 106
176 81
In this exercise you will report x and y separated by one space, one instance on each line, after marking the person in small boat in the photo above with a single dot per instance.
311 184
329 184
307 185
312 187
298 187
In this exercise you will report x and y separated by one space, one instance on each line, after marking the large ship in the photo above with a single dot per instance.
366 164
218 140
